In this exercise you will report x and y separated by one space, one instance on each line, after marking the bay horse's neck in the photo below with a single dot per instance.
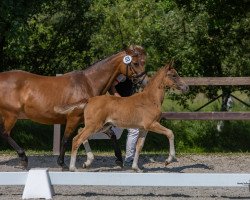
102 74
155 89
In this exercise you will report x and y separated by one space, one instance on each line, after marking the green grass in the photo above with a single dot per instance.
203 136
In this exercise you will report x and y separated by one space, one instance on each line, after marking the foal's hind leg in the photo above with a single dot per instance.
158 128
90 155
77 141
139 146
5 129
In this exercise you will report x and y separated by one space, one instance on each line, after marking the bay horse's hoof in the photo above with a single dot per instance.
65 167
84 166
22 165
119 163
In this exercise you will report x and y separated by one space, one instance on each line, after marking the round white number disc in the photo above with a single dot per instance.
127 59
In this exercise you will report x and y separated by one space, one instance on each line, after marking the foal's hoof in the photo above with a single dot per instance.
73 169
167 162
137 170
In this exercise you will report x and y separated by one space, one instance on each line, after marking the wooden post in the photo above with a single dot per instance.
56 139
57 136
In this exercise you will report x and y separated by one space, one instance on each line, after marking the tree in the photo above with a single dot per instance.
52 38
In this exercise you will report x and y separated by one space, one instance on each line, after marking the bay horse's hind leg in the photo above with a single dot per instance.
5 128
70 127
117 149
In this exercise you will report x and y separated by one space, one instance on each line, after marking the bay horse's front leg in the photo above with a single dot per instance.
139 146
158 128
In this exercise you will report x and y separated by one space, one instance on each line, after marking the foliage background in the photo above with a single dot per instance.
204 37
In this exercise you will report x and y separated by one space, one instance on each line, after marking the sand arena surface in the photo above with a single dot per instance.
187 163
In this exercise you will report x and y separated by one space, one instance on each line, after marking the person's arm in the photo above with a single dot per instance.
112 89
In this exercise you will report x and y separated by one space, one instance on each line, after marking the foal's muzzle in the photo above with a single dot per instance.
184 88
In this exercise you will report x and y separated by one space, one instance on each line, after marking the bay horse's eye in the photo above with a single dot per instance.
136 63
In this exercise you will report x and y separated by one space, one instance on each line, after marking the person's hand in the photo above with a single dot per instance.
117 94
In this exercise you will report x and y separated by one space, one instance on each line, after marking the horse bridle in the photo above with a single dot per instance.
135 77
129 66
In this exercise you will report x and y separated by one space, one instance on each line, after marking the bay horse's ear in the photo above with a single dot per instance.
130 50
171 64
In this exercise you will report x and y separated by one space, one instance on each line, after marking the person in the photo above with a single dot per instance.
123 87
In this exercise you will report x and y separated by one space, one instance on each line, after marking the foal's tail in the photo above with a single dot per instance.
66 109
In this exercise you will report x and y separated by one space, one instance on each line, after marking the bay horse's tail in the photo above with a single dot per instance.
65 109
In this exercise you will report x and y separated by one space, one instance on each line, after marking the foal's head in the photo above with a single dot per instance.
173 80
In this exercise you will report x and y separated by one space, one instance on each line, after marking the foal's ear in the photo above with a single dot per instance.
169 65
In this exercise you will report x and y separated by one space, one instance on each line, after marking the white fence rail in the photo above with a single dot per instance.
44 180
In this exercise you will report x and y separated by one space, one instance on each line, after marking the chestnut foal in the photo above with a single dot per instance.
141 110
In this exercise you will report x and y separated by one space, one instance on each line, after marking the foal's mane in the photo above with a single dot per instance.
157 78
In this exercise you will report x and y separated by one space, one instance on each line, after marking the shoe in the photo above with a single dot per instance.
128 163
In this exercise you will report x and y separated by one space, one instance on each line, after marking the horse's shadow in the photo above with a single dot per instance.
101 163
35 161
179 169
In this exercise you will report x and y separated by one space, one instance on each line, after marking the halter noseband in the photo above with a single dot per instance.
129 65
136 83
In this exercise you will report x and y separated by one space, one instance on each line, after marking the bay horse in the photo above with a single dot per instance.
141 110
35 96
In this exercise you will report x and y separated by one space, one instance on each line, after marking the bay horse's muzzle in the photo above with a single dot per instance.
140 80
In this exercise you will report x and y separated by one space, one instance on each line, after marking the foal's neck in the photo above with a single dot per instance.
155 89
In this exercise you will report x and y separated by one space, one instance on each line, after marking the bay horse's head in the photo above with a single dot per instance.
134 64
173 80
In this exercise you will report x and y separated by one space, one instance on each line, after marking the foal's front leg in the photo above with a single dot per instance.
139 146
158 128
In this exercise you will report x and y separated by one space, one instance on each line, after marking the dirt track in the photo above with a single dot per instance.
212 163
